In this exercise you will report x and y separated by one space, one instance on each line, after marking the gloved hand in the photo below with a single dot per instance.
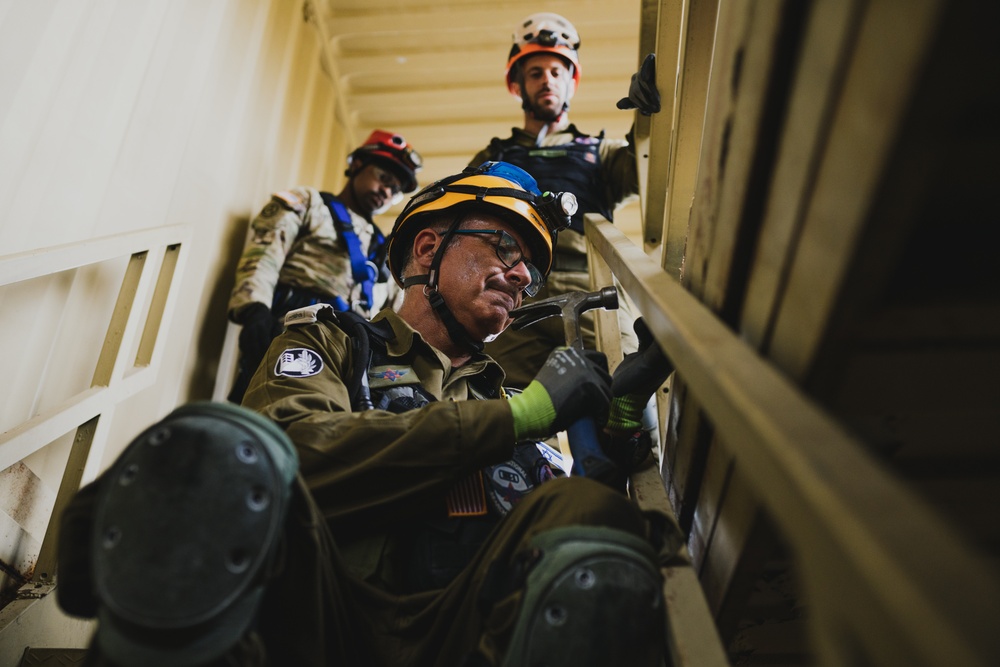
572 384
642 92
636 379
255 337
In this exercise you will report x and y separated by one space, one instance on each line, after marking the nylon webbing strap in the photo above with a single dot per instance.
362 269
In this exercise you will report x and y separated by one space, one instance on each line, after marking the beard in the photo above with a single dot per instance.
545 114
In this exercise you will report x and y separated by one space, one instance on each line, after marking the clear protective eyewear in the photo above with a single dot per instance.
510 253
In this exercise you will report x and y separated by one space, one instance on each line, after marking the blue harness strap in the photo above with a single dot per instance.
364 269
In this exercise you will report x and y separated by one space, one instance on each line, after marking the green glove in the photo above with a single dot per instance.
572 384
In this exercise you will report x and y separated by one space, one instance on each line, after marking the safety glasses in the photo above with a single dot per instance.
510 253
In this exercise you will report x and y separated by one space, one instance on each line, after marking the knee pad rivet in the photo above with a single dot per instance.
246 453
128 474
159 436
112 536
585 578
238 561
555 615
258 499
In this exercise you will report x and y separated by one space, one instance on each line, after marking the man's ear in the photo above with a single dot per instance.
425 245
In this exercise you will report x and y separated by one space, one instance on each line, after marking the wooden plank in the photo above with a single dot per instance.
653 134
695 64
892 43
902 574
45 261
820 65
691 635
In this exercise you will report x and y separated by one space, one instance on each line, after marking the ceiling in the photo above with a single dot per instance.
434 72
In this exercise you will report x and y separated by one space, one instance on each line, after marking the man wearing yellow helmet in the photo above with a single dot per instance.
543 72
308 246
423 526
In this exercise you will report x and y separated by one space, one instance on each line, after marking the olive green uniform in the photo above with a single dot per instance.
522 352
365 475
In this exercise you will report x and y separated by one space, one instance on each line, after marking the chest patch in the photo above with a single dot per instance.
508 484
391 376
298 362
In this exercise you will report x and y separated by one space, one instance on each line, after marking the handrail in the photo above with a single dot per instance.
898 571
128 362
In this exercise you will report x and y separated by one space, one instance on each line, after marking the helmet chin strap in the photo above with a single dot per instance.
456 331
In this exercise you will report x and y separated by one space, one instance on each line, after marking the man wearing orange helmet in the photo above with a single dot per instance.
310 246
543 72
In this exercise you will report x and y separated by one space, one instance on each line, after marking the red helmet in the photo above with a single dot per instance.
392 152
544 32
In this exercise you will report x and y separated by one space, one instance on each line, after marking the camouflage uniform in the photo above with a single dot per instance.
295 243
610 180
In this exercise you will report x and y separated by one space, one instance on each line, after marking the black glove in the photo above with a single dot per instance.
642 92
636 379
642 372
255 337
572 384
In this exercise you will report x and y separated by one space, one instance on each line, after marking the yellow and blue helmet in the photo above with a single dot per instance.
499 188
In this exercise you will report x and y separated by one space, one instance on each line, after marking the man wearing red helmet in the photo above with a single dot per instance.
543 71
309 246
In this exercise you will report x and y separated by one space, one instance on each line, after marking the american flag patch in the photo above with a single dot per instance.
468 498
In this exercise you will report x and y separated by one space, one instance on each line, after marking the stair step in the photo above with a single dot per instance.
52 657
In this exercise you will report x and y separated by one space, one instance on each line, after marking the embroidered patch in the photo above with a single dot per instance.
467 497
508 484
391 376
304 315
298 362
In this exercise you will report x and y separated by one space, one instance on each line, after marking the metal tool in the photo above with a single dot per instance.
589 459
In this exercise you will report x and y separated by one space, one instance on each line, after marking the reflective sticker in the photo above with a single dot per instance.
298 362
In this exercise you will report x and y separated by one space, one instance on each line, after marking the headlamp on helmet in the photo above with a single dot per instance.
390 151
495 187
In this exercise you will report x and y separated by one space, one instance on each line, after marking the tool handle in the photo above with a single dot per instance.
589 460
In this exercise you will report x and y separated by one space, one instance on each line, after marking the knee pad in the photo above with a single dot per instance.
593 597
186 527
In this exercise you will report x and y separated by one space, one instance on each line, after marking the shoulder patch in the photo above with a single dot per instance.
305 315
291 201
298 362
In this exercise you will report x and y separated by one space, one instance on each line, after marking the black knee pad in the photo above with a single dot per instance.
593 598
186 527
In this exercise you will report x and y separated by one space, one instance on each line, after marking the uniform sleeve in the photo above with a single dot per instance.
370 466
618 171
272 234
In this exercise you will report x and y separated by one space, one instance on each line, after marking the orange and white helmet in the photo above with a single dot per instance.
544 32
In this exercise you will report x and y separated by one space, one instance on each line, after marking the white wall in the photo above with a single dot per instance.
125 115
